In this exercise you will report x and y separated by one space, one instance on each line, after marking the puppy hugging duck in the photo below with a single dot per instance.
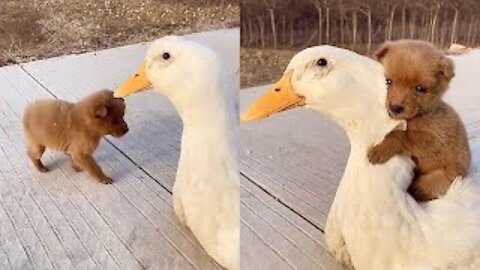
417 76
74 128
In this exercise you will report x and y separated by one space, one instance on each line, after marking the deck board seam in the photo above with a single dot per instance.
281 202
277 252
173 224
8 259
279 232
36 80
283 216
30 259
54 231
152 223
284 187
46 250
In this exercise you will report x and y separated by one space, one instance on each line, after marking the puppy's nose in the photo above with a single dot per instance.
396 109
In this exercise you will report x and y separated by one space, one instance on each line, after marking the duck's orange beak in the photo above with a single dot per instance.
280 97
136 83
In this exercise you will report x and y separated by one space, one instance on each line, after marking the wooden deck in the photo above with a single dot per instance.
290 167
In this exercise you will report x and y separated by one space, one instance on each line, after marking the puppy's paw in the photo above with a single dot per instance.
377 155
106 180
43 169
77 168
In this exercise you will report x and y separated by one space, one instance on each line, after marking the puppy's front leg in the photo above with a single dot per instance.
76 167
393 144
90 165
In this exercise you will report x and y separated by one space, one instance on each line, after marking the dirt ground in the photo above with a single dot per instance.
35 29
263 66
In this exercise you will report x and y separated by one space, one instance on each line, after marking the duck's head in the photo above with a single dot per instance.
177 67
340 83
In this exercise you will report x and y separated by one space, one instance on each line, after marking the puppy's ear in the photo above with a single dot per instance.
101 111
446 68
382 51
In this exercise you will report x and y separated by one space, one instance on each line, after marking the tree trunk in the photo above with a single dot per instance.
453 38
475 34
305 30
327 30
368 13
387 25
320 23
404 18
434 24
354 28
369 44
413 17
292 32
426 24
342 22
443 36
262 31
274 27
470 31
250 32
392 17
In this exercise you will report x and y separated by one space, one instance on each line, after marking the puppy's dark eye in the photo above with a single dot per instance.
421 89
166 56
322 62
388 81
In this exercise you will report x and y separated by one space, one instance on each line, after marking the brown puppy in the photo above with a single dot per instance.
74 128
417 75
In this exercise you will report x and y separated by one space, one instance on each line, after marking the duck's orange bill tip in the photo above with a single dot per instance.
135 83
280 97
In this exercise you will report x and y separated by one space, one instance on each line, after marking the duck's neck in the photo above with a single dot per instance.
211 129
367 132
376 184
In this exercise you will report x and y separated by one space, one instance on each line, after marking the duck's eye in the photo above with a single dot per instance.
322 62
166 56
421 89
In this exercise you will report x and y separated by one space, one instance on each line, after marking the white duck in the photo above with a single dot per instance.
374 224
206 195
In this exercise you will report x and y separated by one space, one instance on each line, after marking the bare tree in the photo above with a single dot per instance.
357 24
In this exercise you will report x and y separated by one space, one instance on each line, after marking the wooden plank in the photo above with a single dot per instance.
151 248
294 237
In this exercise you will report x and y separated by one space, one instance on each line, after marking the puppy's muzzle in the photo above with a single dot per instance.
120 132
396 109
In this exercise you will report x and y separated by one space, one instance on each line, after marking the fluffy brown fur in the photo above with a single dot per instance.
417 76
74 128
